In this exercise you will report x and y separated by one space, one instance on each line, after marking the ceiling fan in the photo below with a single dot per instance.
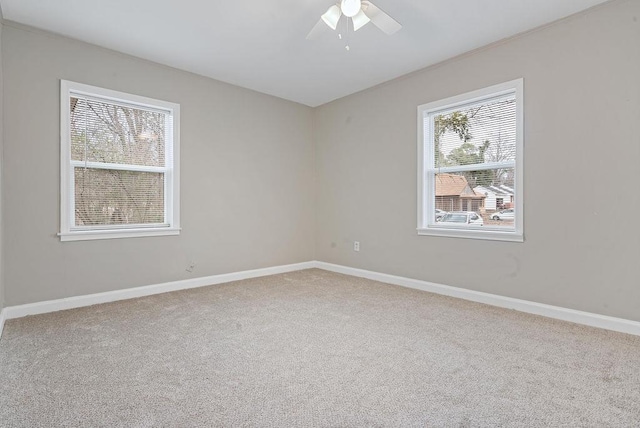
360 12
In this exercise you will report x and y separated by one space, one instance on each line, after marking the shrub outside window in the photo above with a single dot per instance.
119 164
470 164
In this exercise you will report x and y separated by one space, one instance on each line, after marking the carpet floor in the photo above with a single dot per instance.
312 348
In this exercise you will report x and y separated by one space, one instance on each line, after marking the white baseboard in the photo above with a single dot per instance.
564 314
571 315
2 318
19 311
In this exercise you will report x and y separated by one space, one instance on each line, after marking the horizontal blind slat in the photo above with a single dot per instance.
107 133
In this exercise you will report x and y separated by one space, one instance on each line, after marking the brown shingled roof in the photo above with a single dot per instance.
454 185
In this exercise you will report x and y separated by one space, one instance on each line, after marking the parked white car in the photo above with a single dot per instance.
503 215
440 214
460 218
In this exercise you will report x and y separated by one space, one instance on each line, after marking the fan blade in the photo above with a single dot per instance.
380 19
359 20
317 29
332 16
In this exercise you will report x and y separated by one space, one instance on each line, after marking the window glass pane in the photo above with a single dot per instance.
470 148
476 133
489 194
109 133
114 197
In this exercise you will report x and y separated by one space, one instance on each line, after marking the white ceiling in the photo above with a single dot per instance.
261 45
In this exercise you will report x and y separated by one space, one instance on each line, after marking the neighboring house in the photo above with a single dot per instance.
453 193
497 197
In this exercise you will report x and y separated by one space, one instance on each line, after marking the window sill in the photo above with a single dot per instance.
489 235
88 235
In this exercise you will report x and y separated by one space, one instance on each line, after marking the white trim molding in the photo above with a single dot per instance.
170 171
148 290
429 169
556 312
579 317
2 318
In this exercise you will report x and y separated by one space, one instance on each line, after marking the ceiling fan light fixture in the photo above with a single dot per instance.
350 8
360 20
361 13
332 16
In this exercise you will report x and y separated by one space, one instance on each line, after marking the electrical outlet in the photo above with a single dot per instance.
356 245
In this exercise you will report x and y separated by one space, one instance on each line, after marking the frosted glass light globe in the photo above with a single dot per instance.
350 8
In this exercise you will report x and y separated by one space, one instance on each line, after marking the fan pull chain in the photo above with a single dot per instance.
346 34
346 21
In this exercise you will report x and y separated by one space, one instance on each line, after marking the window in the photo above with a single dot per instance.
119 164
470 157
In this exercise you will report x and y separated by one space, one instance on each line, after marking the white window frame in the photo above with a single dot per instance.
68 230
426 159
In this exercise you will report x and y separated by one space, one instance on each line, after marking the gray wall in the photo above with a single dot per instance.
246 175
248 172
582 170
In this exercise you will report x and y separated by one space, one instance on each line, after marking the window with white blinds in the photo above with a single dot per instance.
119 164
470 164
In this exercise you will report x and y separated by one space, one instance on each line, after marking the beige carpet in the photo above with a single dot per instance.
312 348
